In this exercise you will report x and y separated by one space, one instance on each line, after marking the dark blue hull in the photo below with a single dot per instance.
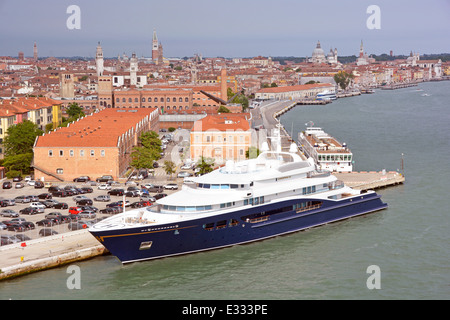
251 224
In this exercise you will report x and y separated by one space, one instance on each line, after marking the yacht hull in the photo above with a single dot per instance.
254 223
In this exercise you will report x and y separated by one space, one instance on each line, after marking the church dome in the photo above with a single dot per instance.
318 51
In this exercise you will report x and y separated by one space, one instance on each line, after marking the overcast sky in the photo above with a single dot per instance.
227 28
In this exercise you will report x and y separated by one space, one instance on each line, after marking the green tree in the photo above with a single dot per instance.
343 79
74 111
19 162
143 157
151 140
169 167
252 153
223 109
204 165
20 138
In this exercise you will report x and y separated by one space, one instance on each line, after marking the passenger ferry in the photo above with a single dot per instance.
328 153
277 193
326 95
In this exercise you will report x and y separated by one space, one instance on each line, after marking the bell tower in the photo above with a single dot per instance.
99 60
155 47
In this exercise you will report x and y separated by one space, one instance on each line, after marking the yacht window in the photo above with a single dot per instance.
207 186
234 186
245 202
145 245
222 205
172 208
180 208
215 186
224 186
191 209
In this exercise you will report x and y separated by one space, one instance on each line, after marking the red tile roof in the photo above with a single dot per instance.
101 129
223 122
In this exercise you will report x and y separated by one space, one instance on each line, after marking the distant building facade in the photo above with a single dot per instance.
223 137
96 145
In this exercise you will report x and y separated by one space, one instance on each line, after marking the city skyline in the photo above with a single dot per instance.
223 29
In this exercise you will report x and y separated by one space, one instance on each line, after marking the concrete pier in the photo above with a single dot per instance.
48 252
372 180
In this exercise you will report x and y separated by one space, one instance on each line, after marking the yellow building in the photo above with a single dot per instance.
223 137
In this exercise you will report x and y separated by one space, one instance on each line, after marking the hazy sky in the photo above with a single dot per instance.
228 28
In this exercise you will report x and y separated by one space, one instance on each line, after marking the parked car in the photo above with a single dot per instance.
17 220
61 205
38 185
59 193
54 215
132 193
108 210
9 239
19 185
44 232
3 203
81 224
29 210
7 185
184 174
74 210
160 195
10 202
31 182
22 199
82 179
87 215
116 192
16 227
17 179
104 198
84 202
8 213
22 237
87 189
38 205
28 225
90 208
53 189
104 186
171 186
105 178
45 196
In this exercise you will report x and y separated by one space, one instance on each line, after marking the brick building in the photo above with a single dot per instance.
222 137
96 145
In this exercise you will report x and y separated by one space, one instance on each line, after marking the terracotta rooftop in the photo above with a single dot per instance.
101 129
294 88
223 122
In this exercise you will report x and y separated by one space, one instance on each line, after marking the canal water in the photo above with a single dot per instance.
399 253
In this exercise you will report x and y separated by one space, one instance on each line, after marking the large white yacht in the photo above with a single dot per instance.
276 193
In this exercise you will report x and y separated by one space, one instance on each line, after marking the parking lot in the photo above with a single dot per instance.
27 190
158 178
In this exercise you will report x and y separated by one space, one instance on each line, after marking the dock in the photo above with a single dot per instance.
398 86
48 252
371 180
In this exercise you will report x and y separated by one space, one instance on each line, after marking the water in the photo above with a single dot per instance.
409 242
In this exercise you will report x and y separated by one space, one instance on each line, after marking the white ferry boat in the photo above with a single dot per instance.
327 152
326 95
275 194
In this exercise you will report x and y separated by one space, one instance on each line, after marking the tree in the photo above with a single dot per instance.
143 156
20 138
343 79
252 153
223 109
151 140
19 162
204 166
74 111
169 167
